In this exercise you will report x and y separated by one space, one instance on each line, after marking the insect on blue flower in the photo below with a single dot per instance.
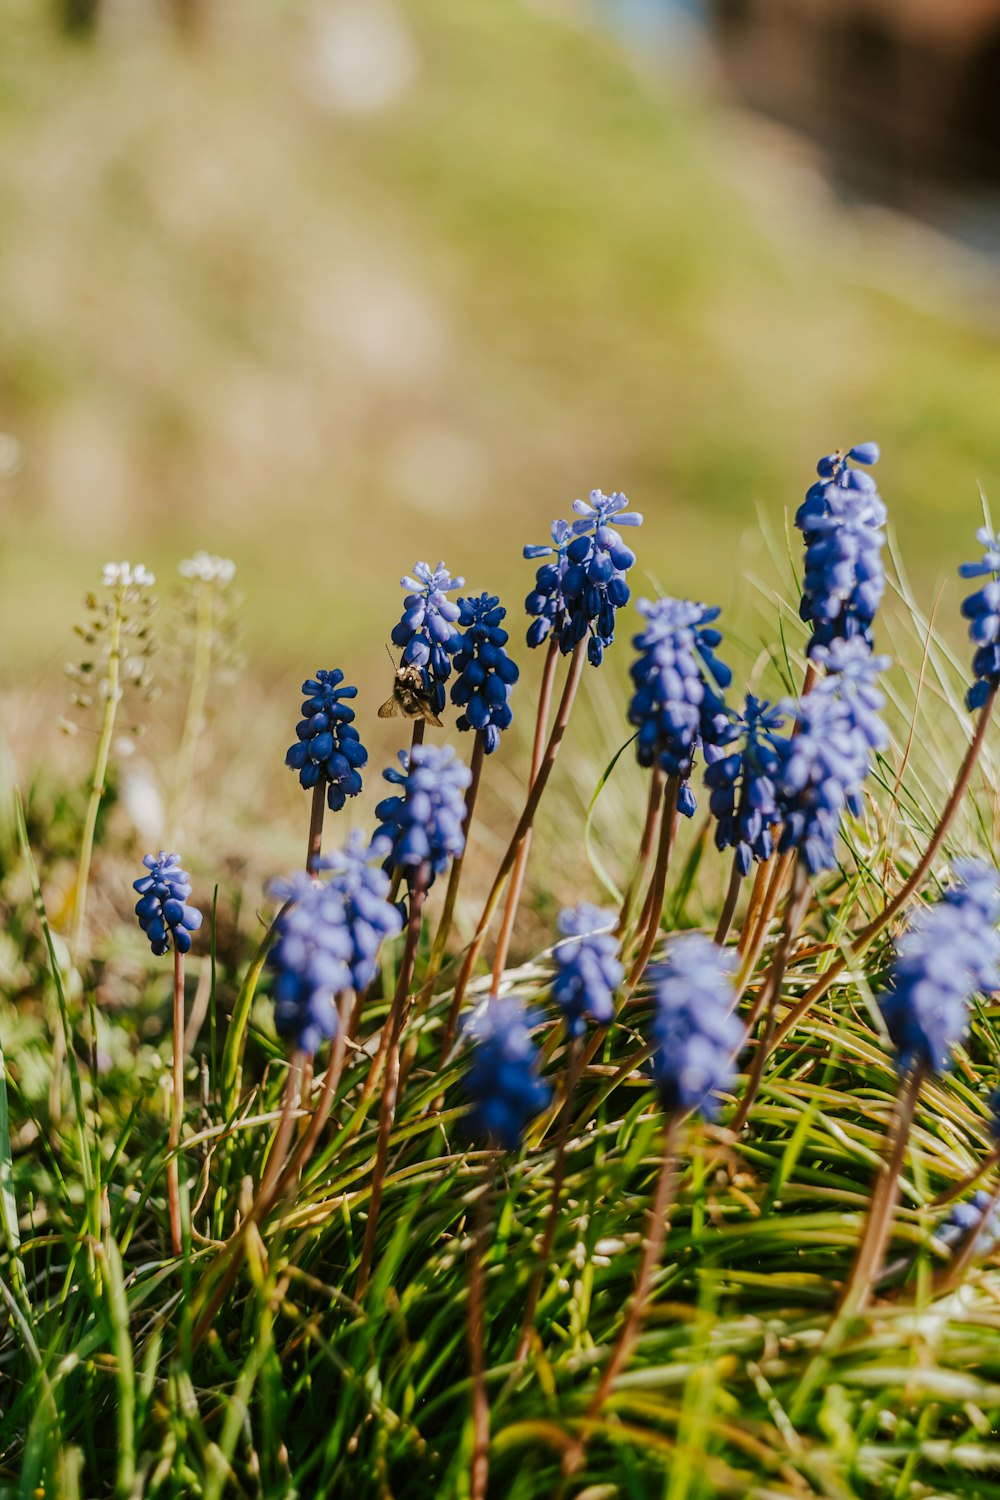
427 631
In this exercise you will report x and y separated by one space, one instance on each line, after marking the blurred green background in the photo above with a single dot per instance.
330 287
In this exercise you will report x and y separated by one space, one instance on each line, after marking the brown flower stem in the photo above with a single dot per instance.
729 907
299 1159
176 1109
538 785
878 1225
573 1067
795 910
656 1231
878 924
314 852
654 902
776 882
758 893
479 1474
394 1030
654 809
455 875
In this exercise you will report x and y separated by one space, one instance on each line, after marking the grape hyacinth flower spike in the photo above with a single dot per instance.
842 520
485 672
677 708
982 610
328 754
168 920
695 1037
948 954
423 827
588 968
426 633
505 1092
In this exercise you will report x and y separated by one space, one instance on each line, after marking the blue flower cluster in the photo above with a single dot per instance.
427 631
828 758
502 1081
423 824
694 1029
163 911
965 1219
948 953
328 940
982 610
328 747
588 970
486 673
578 595
676 706
742 784
842 520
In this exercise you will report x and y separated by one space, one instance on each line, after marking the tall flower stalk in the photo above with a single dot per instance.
168 922
209 602
119 619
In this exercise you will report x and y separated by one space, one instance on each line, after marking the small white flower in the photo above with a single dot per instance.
207 569
124 575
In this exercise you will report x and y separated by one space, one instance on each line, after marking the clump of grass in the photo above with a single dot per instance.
304 1277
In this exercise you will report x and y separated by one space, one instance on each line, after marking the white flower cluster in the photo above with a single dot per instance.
221 570
124 575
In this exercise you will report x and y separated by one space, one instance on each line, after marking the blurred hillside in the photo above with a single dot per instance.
347 284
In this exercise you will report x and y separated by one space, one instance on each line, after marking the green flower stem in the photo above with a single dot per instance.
767 1000
299 1159
538 785
176 1108
653 907
393 1030
232 1051
878 924
97 784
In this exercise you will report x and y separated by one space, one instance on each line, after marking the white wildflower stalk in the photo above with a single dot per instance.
207 577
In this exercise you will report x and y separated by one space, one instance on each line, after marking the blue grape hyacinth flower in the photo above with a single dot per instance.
852 674
486 673
842 520
579 594
328 747
427 631
588 968
502 1082
423 823
824 766
949 953
742 784
163 910
694 1030
982 610
677 706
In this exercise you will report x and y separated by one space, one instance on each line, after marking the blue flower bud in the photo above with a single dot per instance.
502 1081
842 521
486 673
328 748
695 1032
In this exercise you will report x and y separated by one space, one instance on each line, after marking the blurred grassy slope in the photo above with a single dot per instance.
325 345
